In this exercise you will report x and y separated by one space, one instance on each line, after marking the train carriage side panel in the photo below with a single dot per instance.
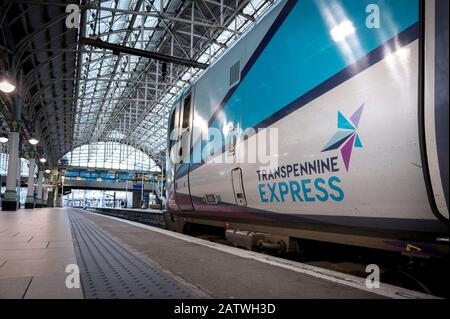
211 183
296 65
344 98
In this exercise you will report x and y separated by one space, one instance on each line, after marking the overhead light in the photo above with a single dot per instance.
42 160
47 171
342 31
3 138
33 141
7 86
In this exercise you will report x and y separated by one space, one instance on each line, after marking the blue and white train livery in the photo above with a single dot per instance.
355 93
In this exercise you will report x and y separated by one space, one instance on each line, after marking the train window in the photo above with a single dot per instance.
171 127
186 112
172 122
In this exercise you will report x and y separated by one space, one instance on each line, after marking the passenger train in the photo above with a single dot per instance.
349 101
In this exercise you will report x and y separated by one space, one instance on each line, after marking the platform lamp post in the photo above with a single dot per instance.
40 181
162 188
29 204
47 173
62 190
3 140
142 190
39 187
126 191
22 154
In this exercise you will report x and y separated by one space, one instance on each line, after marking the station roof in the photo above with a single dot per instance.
77 93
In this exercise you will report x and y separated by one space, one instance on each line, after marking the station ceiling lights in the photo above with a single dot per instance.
6 84
3 138
33 141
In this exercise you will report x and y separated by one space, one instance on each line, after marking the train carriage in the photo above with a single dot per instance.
353 97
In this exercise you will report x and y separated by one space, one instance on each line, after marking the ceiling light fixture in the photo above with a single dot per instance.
7 85
3 138
33 141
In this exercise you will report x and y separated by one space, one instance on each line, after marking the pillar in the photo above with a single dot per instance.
19 177
45 197
51 197
53 189
59 191
136 203
58 202
39 188
10 202
29 204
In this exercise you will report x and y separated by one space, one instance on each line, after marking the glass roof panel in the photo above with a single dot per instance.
126 98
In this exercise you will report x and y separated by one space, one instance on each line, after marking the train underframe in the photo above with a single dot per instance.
282 237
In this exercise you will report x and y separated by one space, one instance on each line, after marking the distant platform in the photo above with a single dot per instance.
124 259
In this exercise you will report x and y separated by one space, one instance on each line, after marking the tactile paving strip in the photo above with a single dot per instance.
109 270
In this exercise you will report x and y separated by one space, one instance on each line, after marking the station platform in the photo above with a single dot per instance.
123 259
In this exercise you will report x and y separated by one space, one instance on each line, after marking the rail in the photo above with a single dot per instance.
151 217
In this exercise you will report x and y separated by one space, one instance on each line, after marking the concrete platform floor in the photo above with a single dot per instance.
35 248
37 245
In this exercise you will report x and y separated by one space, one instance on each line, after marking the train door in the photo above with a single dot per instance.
234 137
181 178
170 163
216 181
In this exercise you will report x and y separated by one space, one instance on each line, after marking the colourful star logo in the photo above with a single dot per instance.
347 137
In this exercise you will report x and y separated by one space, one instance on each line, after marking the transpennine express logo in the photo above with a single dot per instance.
346 138
315 180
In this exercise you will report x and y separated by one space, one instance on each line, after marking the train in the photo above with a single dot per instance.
326 121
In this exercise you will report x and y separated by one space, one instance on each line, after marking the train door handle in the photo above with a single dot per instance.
238 187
